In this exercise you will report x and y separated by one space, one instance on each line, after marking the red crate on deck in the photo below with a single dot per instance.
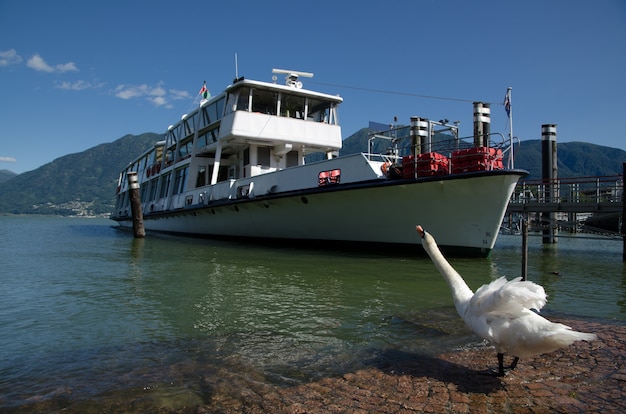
408 166
432 163
476 159
426 165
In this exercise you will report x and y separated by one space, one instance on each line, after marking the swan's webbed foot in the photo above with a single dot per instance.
501 370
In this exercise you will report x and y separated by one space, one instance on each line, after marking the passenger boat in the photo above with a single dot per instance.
239 166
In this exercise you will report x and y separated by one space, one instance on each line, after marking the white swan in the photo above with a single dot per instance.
502 312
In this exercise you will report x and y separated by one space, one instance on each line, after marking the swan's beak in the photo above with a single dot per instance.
420 230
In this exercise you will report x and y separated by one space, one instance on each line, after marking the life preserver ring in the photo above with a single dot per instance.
385 169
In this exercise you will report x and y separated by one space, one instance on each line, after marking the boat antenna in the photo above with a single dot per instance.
236 67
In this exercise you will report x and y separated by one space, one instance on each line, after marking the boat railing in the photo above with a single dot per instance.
444 156
595 190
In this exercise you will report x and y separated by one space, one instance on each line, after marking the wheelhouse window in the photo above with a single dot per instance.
292 106
284 103
264 101
319 110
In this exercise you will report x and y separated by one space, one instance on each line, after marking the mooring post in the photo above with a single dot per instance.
419 135
482 123
623 214
524 248
135 205
549 175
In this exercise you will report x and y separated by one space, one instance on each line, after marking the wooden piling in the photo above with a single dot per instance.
524 248
135 205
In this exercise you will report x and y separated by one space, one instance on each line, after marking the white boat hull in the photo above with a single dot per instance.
465 211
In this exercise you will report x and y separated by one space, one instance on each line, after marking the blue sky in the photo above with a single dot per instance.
76 74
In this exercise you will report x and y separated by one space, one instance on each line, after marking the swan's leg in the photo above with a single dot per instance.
500 364
514 363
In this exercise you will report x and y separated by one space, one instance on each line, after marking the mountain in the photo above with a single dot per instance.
75 184
6 175
84 183
574 159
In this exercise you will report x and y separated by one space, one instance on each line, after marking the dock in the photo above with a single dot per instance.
570 195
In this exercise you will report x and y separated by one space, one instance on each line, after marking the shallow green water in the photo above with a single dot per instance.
86 309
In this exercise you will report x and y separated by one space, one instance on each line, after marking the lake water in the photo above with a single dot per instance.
87 313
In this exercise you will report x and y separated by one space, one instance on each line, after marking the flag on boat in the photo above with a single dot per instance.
204 92
507 102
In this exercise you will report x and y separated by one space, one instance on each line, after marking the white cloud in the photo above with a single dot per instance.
78 85
176 94
67 67
158 100
37 63
7 159
157 95
130 91
9 57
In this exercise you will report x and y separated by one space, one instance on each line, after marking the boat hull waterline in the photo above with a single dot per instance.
465 210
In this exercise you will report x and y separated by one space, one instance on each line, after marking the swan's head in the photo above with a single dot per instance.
420 230
427 238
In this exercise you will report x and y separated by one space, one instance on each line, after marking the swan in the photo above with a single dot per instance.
504 312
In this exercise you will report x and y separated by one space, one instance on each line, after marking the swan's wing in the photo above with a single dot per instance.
529 334
511 297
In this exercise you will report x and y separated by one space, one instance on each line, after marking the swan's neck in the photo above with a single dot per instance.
461 293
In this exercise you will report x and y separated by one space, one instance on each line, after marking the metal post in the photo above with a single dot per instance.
524 248
549 175
623 214
135 205
419 135
482 122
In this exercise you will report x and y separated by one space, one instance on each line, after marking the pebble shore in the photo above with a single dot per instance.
583 378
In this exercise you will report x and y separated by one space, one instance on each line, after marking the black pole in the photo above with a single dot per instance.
549 175
524 248
623 214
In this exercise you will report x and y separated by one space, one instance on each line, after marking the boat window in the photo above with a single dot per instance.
201 178
318 110
153 189
246 156
211 113
292 159
185 149
180 180
292 106
208 137
264 102
165 185
263 156
190 124
218 106
144 191
243 100
169 157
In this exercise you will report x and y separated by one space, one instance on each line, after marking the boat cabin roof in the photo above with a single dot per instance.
281 88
